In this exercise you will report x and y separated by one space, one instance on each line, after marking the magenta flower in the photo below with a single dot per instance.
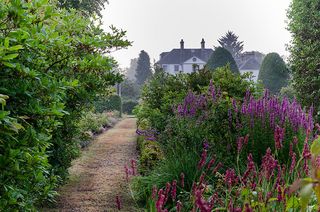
118 202
293 163
174 190
179 206
203 159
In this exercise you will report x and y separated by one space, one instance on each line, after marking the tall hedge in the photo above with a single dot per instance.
220 58
274 73
52 65
304 25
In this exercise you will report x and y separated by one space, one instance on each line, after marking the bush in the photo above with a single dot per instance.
128 106
274 73
150 155
220 58
110 103
53 65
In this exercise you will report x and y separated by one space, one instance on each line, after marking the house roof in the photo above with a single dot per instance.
250 64
178 56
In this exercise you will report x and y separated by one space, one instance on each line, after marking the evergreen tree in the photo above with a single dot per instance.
220 58
230 42
143 71
88 6
304 25
274 73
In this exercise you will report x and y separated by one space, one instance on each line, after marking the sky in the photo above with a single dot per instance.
158 25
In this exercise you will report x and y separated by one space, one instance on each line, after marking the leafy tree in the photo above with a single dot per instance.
230 42
53 63
222 57
304 25
129 89
143 71
88 6
274 73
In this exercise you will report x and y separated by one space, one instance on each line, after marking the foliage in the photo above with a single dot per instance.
230 42
220 58
288 92
143 71
303 24
128 106
52 66
129 90
88 6
158 96
150 155
131 71
109 103
274 73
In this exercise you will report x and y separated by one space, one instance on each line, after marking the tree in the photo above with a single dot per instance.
131 71
143 71
230 42
304 25
274 73
88 6
222 57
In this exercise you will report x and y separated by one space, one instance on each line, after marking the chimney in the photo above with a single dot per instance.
181 44
203 44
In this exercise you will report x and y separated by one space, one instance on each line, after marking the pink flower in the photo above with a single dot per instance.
240 142
203 159
179 206
211 162
217 168
174 190
118 202
280 198
230 177
154 192
160 201
133 166
293 163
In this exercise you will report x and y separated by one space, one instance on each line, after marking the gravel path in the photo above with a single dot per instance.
98 176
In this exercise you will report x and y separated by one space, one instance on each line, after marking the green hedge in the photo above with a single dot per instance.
110 103
128 106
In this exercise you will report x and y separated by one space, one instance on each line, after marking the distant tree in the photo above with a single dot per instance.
129 89
88 6
230 42
222 57
304 25
143 71
274 73
131 71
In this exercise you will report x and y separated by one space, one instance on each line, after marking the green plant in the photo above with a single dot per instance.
128 106
53 64
274 73
109 103
220 58
304 59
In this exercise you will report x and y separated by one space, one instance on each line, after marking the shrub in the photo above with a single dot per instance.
52 66
150 155
274 73
220 58
128 106
109 103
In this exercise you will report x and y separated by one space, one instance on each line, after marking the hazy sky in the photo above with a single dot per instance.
158 25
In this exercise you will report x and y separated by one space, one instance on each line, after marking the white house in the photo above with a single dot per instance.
184 60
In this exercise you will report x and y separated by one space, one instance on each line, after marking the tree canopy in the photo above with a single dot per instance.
220 58
88 6
230 42
274 73
143 71
304 25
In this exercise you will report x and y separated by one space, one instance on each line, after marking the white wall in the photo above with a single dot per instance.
186 67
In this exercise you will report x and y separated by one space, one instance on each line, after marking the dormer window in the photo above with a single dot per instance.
164 67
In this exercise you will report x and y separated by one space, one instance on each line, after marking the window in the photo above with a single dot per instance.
176 68
194 59
164 67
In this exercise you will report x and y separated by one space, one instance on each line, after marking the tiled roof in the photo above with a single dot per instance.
178 56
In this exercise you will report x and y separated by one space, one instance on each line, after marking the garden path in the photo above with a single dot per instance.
98 176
